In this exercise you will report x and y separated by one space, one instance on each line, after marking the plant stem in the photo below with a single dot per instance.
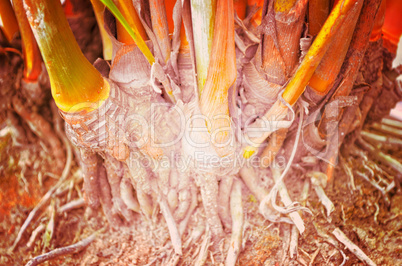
8 21
318 11
203 20
32 57
74 81
317 51
107 47
326 73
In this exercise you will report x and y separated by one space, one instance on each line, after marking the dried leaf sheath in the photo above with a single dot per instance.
73 79
160 27
221 75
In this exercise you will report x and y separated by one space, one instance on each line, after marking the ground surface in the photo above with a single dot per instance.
376 232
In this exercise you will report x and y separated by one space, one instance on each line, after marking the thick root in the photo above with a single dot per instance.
90 169
106 200
225 188
236 210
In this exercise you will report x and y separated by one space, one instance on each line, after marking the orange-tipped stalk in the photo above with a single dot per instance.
221 75
130 14
318 11
257 17
203 20
169 4
240 8
326 73
8 21
160 27
32 57
317 50
99 8
74 81
392 28
379 22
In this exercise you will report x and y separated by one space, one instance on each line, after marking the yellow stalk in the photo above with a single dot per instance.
32 57
130 14
8 21
326 73
203 20
221 75
284 6
318 11
160 27
99 8
74 81
317 50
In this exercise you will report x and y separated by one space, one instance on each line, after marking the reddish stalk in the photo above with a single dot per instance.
8 21
32 57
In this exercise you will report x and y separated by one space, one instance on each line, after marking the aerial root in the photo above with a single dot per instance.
172 227
294 215
184 204
106 200
75 248
90 170
128 196
193 205
236 210
225 188
209 194
318 181
352 247
115 172
146 203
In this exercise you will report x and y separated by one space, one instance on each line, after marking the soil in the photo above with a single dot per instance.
376 232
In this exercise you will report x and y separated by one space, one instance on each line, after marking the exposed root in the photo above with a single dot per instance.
193 205
225 188
209 194
90 170
127 195
203 254
47 196
352 247
35 234
115 173
75 248
319 180
42 129
173 231
294 238
75 204
294 216
236 210
106 200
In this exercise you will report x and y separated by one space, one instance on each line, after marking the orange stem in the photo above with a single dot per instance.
8 21
240 8
75 83
32 57
130 14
